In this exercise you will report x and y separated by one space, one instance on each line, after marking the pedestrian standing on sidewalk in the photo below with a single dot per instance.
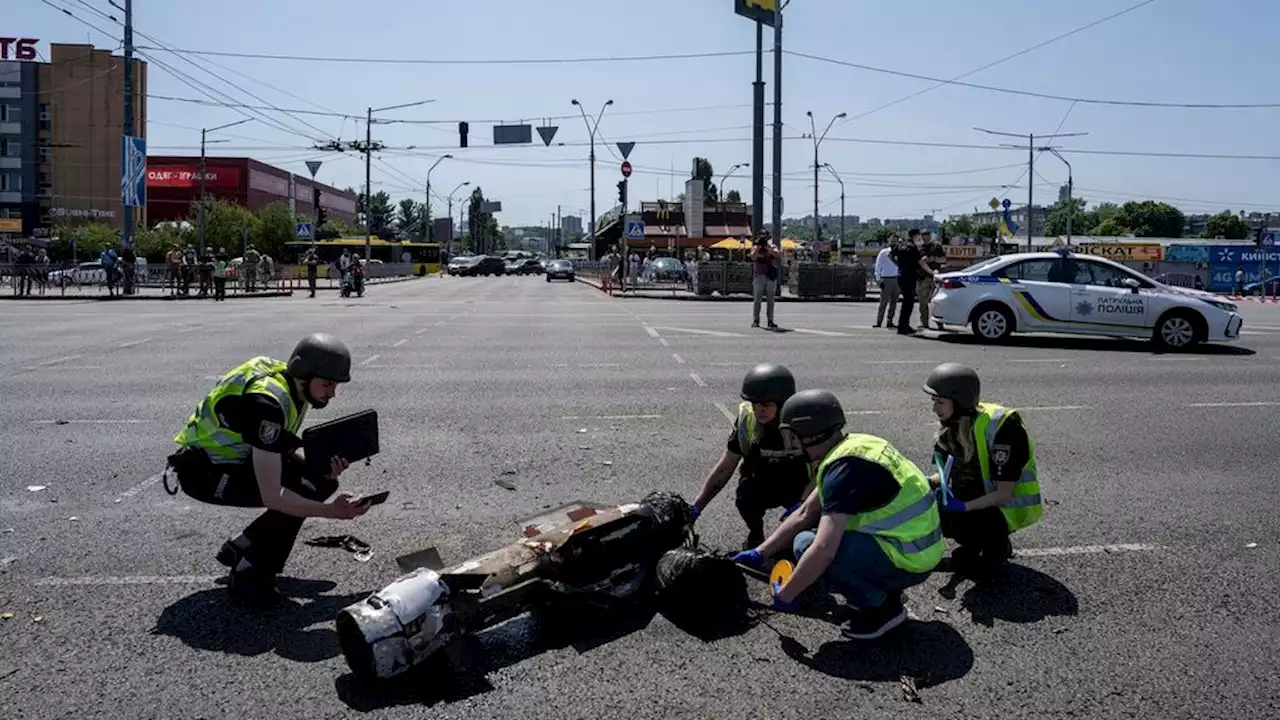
313 263
764 280
887 279
220 275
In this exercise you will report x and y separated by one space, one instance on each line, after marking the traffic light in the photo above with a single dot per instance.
622 192
462 134
321 216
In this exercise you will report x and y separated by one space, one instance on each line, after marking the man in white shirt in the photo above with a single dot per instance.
887 279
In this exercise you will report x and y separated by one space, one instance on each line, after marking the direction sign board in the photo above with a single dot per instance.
1268 239
304 231
635 228
626 169
133 171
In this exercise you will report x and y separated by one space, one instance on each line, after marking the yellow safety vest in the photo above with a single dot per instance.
908 529
748 432
204 429
1026 507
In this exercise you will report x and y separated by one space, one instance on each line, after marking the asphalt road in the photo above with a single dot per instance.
1147 591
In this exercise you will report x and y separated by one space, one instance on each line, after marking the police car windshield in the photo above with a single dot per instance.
978 266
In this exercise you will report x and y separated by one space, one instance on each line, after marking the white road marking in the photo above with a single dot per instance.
370 359
679 360
664 342
63 367
728 364
400 342
695 331
1055 407
1087 549
697 380
1040 360
724 411
863 412
610 417
653 332
399 367
185 330
92 580
1260 403
902 362
419 331
55 361
133 343
142 486
88 422
824 333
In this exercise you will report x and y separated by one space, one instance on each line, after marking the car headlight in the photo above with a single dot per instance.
1222 305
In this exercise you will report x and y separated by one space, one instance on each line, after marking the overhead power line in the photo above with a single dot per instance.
458 61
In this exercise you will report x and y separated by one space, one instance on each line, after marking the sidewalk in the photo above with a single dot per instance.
287 288
873 295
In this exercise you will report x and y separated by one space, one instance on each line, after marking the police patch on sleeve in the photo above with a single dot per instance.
1000 454
269 432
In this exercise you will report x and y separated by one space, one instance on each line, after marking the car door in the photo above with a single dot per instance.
1039 294
1102 300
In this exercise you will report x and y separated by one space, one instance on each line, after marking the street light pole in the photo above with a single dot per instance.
591 129
816 142
840 242
368 169
1071 208
1031 168
203 132
426 209
725 178
451 194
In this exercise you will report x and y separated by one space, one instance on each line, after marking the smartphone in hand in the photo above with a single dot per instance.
375 499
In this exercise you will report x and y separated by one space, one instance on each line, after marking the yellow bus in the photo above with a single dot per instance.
424 256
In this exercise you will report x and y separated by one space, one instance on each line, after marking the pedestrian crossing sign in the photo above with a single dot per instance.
304 231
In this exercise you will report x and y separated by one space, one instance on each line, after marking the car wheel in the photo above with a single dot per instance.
992 322
1178 330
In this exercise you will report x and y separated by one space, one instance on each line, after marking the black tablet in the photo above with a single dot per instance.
353 438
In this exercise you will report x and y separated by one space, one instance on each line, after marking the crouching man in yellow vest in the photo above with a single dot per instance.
993 488
240 448
878 531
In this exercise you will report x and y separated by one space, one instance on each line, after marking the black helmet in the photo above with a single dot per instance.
768 383
811 413
958 383
323 356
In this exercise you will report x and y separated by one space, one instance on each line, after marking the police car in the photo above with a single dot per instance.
1065 292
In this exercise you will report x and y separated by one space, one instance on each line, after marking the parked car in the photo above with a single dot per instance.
524 266
559 270
91 273
665 269
482 265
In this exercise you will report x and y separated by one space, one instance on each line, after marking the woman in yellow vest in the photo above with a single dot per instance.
992 488
877 524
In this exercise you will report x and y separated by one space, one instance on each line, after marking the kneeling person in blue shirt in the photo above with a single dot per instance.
878 529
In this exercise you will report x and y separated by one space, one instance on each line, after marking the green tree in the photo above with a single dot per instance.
883 235
987 231
483 234
1152 219
276 226
224 223
733 197
154 243
960 225
336 229
1106 211
1081 220
702 170
381 216
1109 228
1225 224
409 218
89 240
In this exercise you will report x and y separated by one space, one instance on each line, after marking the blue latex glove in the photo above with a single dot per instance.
952 505
778 602
749 557
694 512
787 513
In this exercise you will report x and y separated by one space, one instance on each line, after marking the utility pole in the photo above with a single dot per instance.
126 233
1031 168
591 130
840 242
757 137
426 209
777 124
450 215
1071 208
203 132
559 235
817 236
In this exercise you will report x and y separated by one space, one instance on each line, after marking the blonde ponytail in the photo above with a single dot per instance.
957 439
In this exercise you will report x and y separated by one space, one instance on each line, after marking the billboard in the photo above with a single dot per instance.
188 176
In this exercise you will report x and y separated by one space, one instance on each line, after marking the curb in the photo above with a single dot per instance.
659 295
140 298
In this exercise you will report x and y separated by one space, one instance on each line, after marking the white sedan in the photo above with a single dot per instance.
1064 292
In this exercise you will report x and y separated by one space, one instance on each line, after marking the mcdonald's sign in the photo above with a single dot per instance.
762 11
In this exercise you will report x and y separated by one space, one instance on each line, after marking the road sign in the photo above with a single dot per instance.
626 169
1268 239
547 133
994 203
305 231
1006 203
625 148
314 167
512 134
133 171
635 229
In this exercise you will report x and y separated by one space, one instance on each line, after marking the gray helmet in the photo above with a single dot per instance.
958 383
811 413
768 383
323 356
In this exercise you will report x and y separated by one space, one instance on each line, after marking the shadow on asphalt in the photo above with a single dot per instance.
1058 342
931 653
460 671
212 620
1018 594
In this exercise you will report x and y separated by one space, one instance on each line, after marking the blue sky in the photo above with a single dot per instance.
1187 51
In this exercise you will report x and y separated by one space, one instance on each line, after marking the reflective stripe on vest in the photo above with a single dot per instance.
204 430
908 529
1026 507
